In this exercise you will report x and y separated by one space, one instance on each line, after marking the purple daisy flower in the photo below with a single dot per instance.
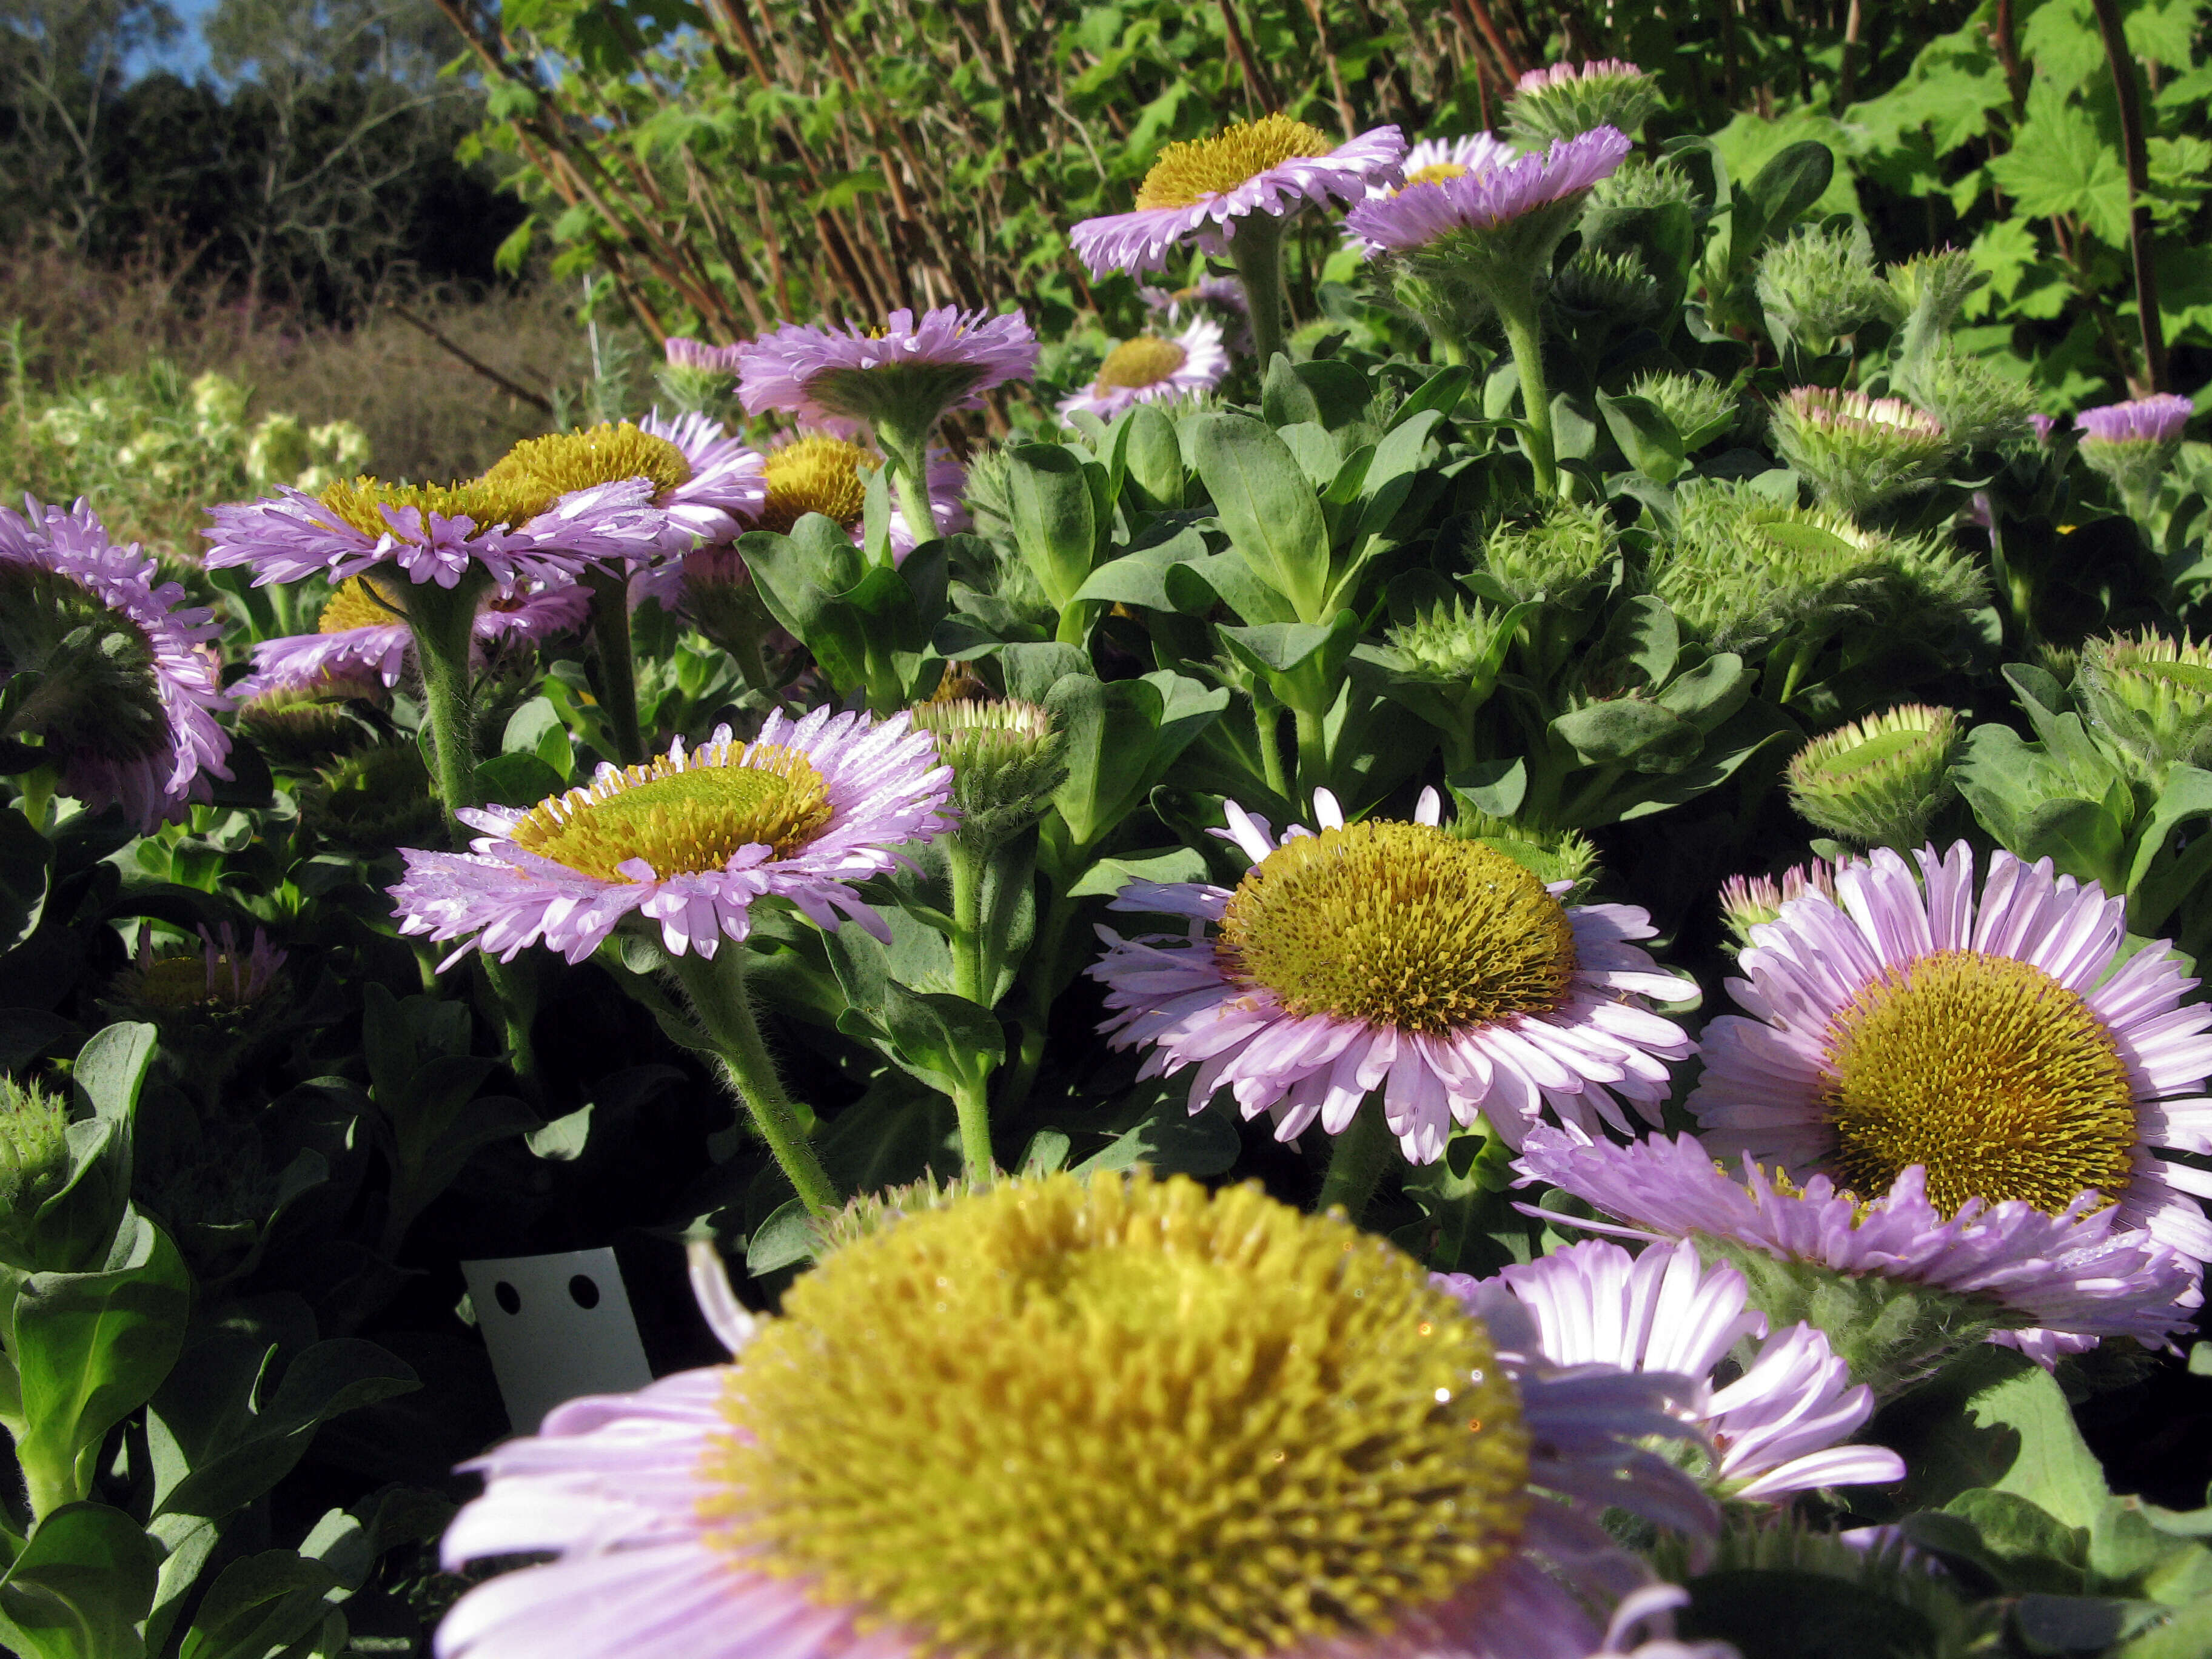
136 732
2078 1271
511 534
1392 956
1485 198
2155 420
690 840
359 637
817 1498
1999 1044
1151 369
826 375
1777 1429
727 484
1198 191
684 352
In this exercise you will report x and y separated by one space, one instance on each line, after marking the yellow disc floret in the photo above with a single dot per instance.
1437 173
1999 1079
606 453
1122 1420
1187 173
484 502
815 475
682 816
1145 361
1399 925
356 602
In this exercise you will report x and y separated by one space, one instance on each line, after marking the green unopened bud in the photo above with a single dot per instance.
1879 781
1928 292
1638 183
306 728
693 389
1859 452
378 798
719 597
1748 902
1616 285
218 400
1560 557
2151 697
1452 644
97 695
33 1151
2061 662
1977 407
1821 285
1699 406
1005 761
1550 855
278 453
1565 100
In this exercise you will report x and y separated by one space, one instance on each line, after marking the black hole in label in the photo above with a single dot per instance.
509 1299
583 1292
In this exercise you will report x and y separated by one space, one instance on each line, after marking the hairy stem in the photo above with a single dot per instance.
1356 1162
1526 341
1257 248
617 666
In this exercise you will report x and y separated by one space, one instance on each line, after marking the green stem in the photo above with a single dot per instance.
617 666
1356 1162
1257 248
1522 335
906 453
967 868
1037 1006
716 988
1271 750
38 795
971 1100
1313 753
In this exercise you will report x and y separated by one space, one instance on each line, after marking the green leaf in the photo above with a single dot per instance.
1787 1613
784 1239
2060 164
1284 398
1151 457
1054 516
518 780
259 1606
27 867
90 1348
2187 1635
1173 1140
1629 731
2033 1549
1108 875
1266 507
942 1041
1645 435
81 1585
1303 663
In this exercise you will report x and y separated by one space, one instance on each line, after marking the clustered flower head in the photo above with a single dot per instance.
1747 901
1393 956
1859 452
126 690
1565 100
2150 696
1154 367
1210 1424
1199 192
1502 205
690 842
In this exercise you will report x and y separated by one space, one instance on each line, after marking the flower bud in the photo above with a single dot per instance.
1927 293
377 798
219 978
1879 781
2151 697
1560 557
303 728
1004 757
1977 407
1746 901
1700 408
1569 98
1447 644
2133 444
1618 286
1859 452
1550 855
871 1213
33 1155
719 599
1641 184
1821 285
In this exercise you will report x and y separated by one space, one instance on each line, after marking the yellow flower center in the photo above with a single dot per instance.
1187 173
815 475
1989 1072
682 818
1122 1420
485 502
606 453
1436 172
1399 925
1145 361
355 603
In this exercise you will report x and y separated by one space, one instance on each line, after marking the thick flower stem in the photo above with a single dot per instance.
1356 1162
1257 248
972 976
1518 312
617 676
715 987
1312 752
906 452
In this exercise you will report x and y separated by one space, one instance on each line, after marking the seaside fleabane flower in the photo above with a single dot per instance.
128 691
1780 1426
1154 367
1391 956
481 532
706 483
1203 190
362 634
690 841
1997 1041
1432 160
1898 1284
2134 444
1119 1419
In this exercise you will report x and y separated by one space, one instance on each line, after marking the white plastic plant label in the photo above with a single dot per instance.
558 1326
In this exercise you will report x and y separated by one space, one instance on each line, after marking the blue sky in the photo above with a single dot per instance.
187 54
